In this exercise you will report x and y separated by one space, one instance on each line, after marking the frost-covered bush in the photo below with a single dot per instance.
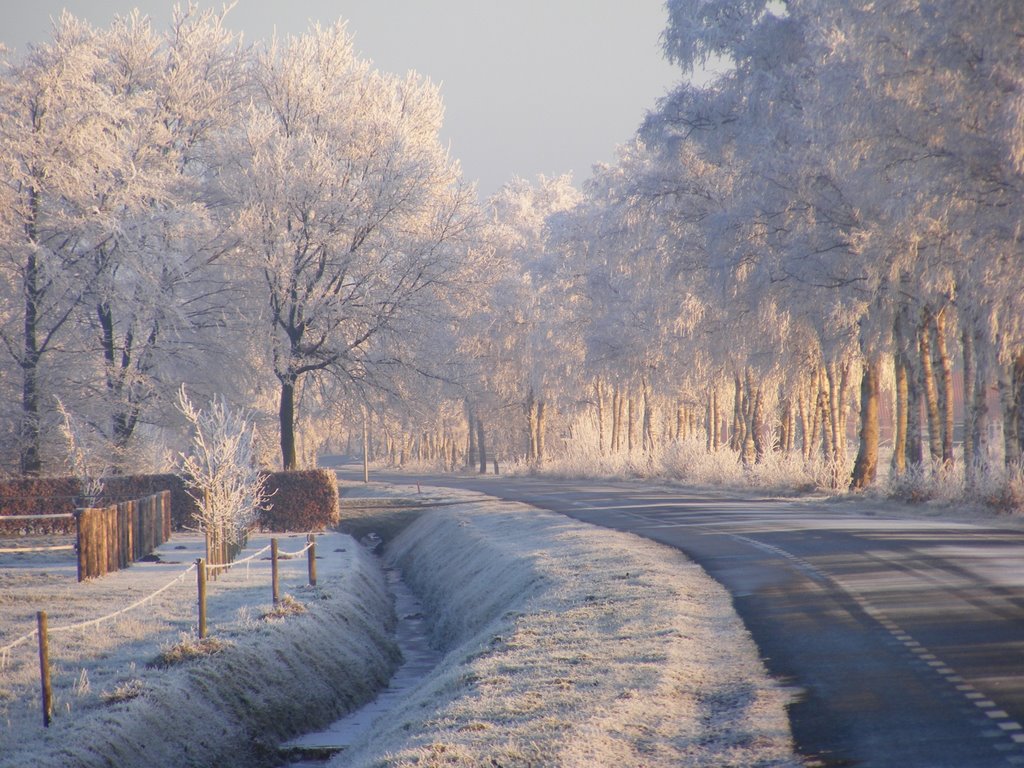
221 467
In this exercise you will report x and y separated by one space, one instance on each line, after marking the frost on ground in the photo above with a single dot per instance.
142 691
569 645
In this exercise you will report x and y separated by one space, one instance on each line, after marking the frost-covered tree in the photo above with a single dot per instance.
351 219
57 148
523 334
222 469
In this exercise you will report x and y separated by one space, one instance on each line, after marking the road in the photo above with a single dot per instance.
903 639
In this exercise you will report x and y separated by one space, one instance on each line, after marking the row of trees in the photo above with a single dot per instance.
255 221
833 220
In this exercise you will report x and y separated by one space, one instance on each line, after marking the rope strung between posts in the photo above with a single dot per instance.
253 556
5 650
302 551
220 566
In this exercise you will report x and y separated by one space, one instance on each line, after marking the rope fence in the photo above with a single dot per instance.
43 630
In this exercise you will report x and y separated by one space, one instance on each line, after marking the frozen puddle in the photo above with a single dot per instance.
418 660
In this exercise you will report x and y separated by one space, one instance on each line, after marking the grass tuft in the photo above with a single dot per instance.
188 648
286 606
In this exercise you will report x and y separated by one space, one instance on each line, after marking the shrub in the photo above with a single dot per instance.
303 500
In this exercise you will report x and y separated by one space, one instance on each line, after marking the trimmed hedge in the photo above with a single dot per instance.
60 495
38 496
305 500
301 500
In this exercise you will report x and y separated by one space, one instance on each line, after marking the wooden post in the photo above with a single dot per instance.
81 546
311 559
201 582
44 668
273 572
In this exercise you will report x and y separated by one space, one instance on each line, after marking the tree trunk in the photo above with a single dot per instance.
970 374
738 433
630 426
648 426
745 426
540 431
1011 397
865 469
599 399
30 462
825 418
944 366
762 444
928 386
286 420
471 440
481 445
899 448
531 426
616 420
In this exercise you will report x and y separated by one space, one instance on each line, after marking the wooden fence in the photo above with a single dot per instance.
110 538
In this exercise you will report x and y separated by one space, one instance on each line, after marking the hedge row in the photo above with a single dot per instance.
300 501
303 500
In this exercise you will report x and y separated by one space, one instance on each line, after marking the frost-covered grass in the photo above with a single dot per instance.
998 489
688 461
570 645
143 690
567 645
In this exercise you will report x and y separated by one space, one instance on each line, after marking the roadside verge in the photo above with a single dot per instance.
570 645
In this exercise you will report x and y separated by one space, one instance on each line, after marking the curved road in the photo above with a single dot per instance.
903 639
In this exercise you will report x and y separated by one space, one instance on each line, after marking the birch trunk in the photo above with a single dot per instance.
1011 397
865 469
540 430
746 404
928 386
825 417
738 435
631 426
970 374
899 448
648 426
762 443
531 426
481 445
617 419
944 366
471 440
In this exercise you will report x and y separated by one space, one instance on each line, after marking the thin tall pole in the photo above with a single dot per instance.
311 559
274 572
201 583
44 668
366 447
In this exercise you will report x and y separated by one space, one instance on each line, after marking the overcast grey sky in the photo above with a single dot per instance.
530 86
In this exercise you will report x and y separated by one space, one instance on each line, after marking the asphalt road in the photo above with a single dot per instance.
903 639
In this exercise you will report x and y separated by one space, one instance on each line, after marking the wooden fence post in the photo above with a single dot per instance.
165 512
311 559
44 668
201 583
80 546
275 586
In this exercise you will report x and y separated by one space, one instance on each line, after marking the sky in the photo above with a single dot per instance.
530 86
